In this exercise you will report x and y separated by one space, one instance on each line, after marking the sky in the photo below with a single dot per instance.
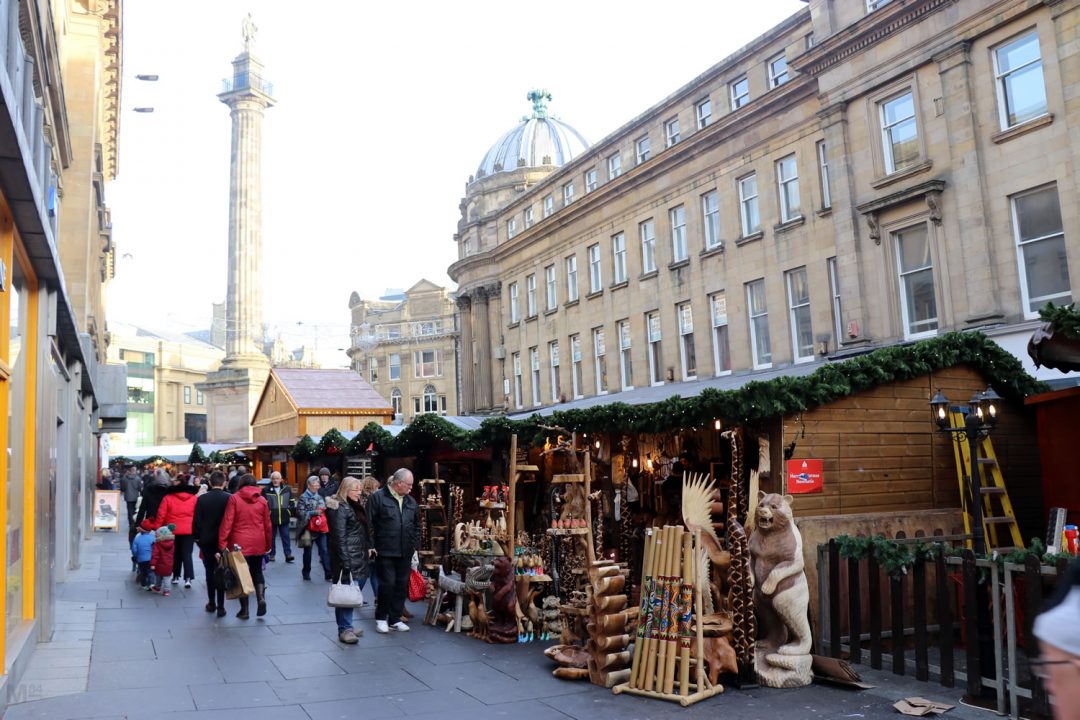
383 112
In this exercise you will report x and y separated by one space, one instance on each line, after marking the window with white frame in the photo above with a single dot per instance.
426 364
899 132
395 401
394 363
187 394
802 333
759 323
590 180
656 357
567 193
571 279
556 383
600 360
516 359
534 364
551 288
787 180
530 295
915 276
528 217
373 370
872 5
614 166
198 397
647 231
416 406
431 399
687 354
703 113
626 364
740 92
837 308
823 175
641 147
596 279
1021 91
710 212
749 215
511 227
1040 247
549 205
618 256
778 71
808 41
514 314
576 381
671 132
679 251
721 346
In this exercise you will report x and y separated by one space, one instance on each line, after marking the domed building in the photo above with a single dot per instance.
537 141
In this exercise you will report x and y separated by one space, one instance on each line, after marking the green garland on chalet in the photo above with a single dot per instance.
331 443
305 450
1062 318
896 558
197 456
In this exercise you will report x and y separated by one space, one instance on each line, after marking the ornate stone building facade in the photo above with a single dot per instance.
868 172
405 347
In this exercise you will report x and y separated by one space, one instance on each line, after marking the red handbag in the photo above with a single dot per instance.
317 524
417 586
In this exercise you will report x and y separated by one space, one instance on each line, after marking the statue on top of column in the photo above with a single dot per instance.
249 29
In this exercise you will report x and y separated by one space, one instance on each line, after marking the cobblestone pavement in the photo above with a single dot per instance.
119 652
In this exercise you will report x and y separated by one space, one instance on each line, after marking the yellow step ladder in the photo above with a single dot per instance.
991 488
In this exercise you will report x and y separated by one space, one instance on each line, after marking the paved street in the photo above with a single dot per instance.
120 652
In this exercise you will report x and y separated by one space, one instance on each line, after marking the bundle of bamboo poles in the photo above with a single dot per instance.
665 651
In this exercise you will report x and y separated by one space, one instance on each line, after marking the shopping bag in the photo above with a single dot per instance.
244 584
304 539
317 523
224 577
345 593
417 586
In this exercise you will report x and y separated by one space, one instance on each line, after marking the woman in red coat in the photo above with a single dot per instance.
178 508
247 524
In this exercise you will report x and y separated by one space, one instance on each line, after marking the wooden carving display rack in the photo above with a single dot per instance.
435 540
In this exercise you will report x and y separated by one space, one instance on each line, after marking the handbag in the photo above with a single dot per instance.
244 584
304 539
317 524
345 593
224 577
418 586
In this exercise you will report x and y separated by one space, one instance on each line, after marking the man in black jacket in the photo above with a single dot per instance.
153 493
395 526
209 510
330 484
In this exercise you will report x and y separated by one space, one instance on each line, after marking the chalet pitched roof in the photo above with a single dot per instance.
320 389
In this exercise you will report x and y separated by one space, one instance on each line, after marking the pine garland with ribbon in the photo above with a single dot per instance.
197 456
304 450
896 558
331 443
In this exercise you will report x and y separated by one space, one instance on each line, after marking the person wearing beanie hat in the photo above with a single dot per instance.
1058 631
142 550
161 558
329 483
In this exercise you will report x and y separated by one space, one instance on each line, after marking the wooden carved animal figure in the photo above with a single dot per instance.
503 628
719 657
697 506
573 502
479 616
781 596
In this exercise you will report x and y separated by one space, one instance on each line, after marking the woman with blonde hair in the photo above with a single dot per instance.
350 547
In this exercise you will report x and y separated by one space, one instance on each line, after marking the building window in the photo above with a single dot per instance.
759 324
787 178
656 358
373 370
614 166
571 279
534 365
1040 246
687 354
915 274
187 394
677 216
872 5
549 205
647 230
511 227
517 380
618 252
802 333
1021 91
626 365
431 399
748 205
823 175
671 132
556 384
575 366
596 281
426 364
703 112
899 134
530 295
514 315
642 149
710 211
567 193
740 93
721 348
528 217
808 41
599 353
199 400
550 286
590 180
395 401
837 309
778 71
395 366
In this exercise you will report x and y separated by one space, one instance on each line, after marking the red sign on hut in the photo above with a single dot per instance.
805 476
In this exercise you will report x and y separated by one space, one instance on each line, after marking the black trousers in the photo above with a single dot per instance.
182 557
131 513
393 574
214 594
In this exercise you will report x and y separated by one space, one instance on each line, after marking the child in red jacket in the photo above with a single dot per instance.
161 558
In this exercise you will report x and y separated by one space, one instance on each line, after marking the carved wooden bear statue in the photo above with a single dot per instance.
503 628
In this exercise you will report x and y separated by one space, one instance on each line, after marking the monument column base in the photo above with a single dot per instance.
231 396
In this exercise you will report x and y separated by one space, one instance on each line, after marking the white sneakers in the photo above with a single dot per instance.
400 627
383 627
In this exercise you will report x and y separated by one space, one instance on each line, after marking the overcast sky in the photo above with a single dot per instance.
384 110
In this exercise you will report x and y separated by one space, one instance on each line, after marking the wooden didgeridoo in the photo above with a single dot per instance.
645 610
671 637
661 606
686 605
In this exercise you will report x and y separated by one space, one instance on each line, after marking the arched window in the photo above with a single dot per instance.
395 401
431 402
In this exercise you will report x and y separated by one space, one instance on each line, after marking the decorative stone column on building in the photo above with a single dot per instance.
465 362
482 329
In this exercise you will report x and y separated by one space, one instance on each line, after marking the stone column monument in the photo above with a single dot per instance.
233 390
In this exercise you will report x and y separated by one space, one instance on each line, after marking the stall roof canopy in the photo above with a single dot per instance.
310 389
175 453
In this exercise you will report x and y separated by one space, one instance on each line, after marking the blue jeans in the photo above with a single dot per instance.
344 616
374 582
286 545
318 540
